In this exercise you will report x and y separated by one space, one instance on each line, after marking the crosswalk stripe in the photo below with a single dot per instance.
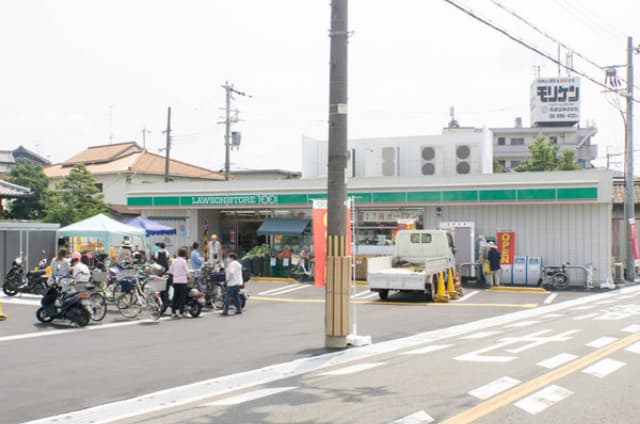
249 396
604 367
495 387
419 417
542 399
353 369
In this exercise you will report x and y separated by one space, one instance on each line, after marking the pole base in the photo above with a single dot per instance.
356 340
453 295
335 342
441 298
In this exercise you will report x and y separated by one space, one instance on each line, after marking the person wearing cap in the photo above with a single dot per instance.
493 255
126 251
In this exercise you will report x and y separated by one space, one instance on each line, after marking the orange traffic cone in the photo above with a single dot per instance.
3 317
458 285
441 296
451 289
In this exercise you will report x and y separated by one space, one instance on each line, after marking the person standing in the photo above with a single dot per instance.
179 269
196 258
215 249
60 266
162 256
233 278
494 264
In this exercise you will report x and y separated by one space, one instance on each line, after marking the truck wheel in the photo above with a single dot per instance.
430 293
383 294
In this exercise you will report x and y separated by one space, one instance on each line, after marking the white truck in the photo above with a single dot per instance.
420 255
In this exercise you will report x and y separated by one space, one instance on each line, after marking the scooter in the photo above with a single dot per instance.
194 302
71 306
16 281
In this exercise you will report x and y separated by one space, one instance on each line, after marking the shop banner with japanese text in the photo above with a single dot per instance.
634 240
319 227
506 242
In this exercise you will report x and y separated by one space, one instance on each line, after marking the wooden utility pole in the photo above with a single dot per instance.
168 146
337 295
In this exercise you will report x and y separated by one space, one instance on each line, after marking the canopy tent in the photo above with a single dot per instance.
284 226
151 227
104 228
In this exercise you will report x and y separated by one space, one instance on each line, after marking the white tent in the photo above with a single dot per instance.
105 229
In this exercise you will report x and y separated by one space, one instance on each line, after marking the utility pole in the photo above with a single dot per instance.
629 206
338 263
110 124
145 131
168 146
229 92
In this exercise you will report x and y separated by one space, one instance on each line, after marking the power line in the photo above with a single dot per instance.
580 13
530 47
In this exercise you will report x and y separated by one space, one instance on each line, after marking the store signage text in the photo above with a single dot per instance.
252 199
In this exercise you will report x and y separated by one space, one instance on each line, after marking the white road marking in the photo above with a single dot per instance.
606 302
602 341
249 396
480 335
426 349
466 296
557 360
582 308
200 390
522 324
585 316
419 417
542 399
354 368
555 315
72 330
550 298
285 289
627 296
604 367
631 328
364 294
18 301
495 387
634 348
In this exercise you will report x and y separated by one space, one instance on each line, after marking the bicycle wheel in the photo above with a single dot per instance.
129 305
560 281
154 306
98 306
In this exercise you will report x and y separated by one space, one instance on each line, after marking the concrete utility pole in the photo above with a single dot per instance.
145 131
168 146
337 303
229 92
629 208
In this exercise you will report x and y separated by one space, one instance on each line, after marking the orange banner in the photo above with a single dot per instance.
506 242
319 227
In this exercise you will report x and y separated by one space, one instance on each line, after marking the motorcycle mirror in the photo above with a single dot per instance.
44 252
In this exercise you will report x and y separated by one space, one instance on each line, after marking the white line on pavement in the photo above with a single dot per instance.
354 368
602 341
631 328
557 360
285 290
585 316
634 348
467 296
480 335
249 396
542 399
419 417
604 367
427 349
364 293
495 387
277 289
181 395
17 301
550 298
523 324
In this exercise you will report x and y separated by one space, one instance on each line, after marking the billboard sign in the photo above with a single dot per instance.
555 101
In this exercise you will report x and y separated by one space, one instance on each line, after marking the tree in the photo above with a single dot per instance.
497 168
76 198
544 157
29 175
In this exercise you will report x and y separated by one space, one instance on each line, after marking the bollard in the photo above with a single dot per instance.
451 289
459 288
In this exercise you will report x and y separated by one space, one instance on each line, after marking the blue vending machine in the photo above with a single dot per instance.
519 270
534 270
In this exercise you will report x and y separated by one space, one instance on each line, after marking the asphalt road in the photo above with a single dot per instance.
51 370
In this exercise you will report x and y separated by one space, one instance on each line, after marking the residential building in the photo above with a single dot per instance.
9 158
117 167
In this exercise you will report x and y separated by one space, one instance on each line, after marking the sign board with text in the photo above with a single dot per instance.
555 101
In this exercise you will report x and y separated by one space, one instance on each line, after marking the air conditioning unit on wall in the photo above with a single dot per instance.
431 160
467 160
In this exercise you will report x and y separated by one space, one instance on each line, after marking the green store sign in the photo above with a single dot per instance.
372 198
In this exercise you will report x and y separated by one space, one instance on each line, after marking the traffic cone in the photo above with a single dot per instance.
451 289
458 285
3 317
441 296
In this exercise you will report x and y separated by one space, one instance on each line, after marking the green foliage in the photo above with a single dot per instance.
32 176
76 198
544 157
497 168
259 251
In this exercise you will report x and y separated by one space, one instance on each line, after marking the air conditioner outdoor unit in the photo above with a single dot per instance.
430 161
389 161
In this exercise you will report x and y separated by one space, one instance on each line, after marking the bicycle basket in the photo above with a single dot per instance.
157 284
127 284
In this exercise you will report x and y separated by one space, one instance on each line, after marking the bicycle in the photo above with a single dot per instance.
136 298
299 270
557 277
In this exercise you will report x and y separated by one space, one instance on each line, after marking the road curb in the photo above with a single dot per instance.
519 289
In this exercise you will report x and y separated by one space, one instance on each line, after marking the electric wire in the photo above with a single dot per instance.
531 47
589 21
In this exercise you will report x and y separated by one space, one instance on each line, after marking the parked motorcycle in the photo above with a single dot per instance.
71 306
193 304
17 281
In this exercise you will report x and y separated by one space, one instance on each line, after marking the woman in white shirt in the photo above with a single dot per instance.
179 269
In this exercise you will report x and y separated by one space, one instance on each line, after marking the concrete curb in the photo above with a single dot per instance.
519 289
293 280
